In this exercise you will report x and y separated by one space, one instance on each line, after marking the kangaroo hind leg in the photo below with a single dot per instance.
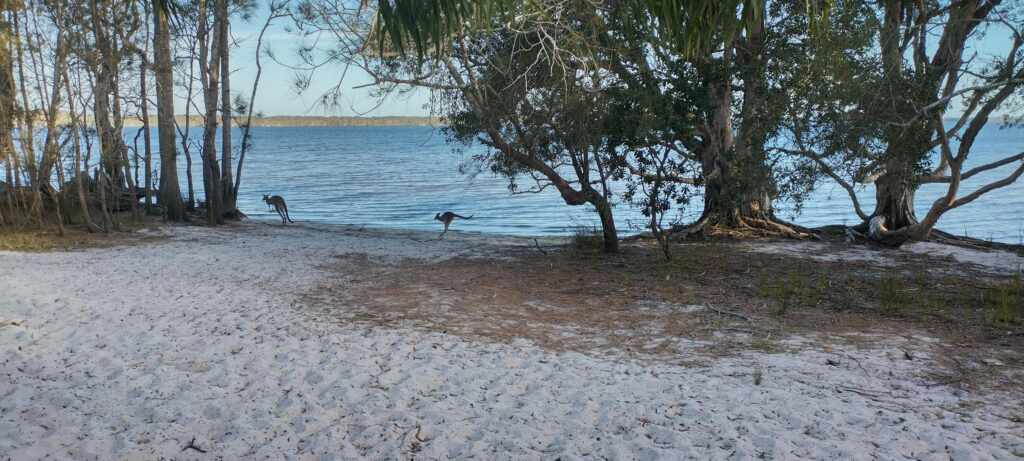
281 214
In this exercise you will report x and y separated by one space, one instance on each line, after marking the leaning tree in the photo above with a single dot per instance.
528 90
913 107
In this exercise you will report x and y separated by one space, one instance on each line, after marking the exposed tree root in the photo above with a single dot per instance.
778 228
235 215
684 231
861 233
740 227
971 242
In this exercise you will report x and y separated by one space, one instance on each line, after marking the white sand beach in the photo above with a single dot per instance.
203 339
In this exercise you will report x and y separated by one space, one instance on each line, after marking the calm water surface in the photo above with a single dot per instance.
399 177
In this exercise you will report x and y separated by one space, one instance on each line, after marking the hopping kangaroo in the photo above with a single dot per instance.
279 206
447 217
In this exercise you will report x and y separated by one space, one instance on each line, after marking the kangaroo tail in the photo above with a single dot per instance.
463 217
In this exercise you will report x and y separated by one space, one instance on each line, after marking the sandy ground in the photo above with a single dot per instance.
996 262
132 352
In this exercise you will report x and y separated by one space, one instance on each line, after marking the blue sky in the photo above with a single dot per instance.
276 95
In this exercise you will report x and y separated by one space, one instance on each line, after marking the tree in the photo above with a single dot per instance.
170 192
214 42
223 24
144 108
534 124
891 128
715 110
209 77
518 89
8 98
719 46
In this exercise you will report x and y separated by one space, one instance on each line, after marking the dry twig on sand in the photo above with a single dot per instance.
192 445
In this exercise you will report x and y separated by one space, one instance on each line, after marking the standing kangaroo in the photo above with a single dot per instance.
279 206
447 217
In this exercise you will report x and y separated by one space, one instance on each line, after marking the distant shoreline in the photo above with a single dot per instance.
300 121
307 121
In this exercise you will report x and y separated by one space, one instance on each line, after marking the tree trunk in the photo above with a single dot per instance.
895 202
170 193
611 236
737 181
102 184
80 168
146 135
26 130
190 183
738 187
111 154
227 186
77 144
7 99
209 71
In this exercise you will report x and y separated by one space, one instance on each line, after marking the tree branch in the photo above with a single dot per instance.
989 187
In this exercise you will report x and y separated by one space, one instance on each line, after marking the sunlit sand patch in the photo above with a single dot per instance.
227 350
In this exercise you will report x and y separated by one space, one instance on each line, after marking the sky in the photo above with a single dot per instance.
276 95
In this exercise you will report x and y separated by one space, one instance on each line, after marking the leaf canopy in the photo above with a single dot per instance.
691 25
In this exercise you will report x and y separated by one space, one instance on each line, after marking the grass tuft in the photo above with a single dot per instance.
793 290
31 241
893 292
35 240
586 239
1005 301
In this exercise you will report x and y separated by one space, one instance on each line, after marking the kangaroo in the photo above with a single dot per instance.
447 217
279 206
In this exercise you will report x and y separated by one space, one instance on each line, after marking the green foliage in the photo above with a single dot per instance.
690 26
426 25
893 292
694 27
38 241
793 289
586 239
1005 301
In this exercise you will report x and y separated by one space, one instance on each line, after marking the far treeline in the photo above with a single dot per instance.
743 103
312 120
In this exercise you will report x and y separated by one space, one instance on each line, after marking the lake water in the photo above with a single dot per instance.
398 177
